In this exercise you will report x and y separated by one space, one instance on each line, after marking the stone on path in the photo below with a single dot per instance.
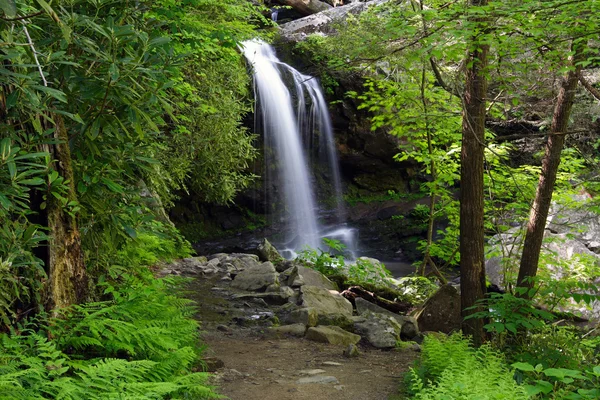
257 277
318 379
311 371
332 334
351 351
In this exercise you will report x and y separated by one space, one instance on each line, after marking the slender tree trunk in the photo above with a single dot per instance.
67 277
472 271
543 196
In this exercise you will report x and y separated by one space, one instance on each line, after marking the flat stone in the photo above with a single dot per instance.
318 379
273 298
332 364
257 277
294 330
324 301
311 371
310 277
332 334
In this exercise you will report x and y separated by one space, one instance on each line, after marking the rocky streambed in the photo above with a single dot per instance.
278 330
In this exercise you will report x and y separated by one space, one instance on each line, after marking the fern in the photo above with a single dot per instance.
142 345
454 370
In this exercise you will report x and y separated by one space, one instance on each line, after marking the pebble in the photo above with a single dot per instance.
223 328
339 387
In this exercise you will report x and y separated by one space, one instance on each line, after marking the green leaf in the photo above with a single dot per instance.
57 94
12 169
521 366
9 7
113 71
113 186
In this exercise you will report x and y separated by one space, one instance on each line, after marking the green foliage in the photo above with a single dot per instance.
560 383
507 312
451 369
141 345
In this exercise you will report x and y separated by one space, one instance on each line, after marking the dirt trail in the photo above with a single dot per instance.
260 366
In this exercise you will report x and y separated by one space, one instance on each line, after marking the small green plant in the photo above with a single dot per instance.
451 369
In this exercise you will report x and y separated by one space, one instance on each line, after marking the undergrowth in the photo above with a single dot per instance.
451 369
140 343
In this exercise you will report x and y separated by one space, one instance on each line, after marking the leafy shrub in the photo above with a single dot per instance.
451 369
560 383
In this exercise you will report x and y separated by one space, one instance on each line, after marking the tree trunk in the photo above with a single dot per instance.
67 277
472 271
543 196
306 7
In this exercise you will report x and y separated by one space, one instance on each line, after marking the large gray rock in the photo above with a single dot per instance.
441 312
257 277
381 331
332 334
409 325
307 316
324 301
268 252
310 277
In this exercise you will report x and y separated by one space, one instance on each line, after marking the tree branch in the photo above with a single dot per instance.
589 87
23 17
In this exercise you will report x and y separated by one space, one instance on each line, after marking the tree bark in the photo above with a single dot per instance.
543 196
472 271
306 7
67 276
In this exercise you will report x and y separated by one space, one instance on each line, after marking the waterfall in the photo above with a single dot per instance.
291 131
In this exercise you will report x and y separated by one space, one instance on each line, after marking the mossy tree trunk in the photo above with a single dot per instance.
67 280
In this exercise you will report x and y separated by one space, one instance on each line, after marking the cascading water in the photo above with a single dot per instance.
285 130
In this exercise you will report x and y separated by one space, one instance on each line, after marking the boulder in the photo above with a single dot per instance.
257 277
310 277
332 334
341 320
409 324
441 312
268 252
306 316
381 331
324 301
